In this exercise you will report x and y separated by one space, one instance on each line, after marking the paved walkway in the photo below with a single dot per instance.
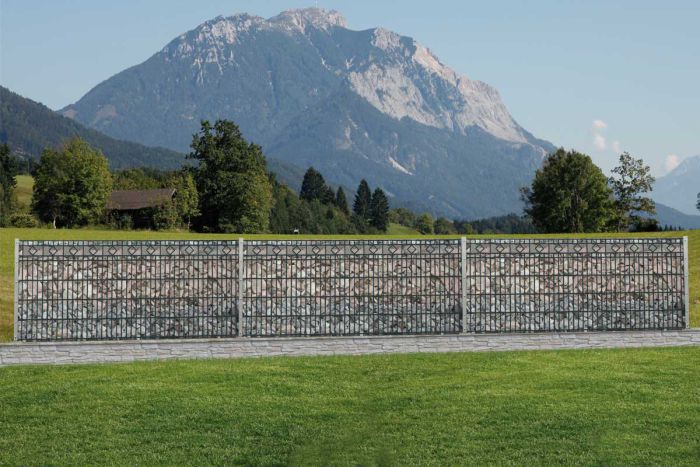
23 353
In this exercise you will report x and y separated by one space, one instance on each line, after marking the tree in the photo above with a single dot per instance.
328 195
313 186
235 194
402 216
137 178
569 194
424 224
464 228
186 199
8 170
444 226
630 180
379 210
363 198
165 216
508 224
72 185
341 201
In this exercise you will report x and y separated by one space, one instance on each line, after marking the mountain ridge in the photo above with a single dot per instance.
29 127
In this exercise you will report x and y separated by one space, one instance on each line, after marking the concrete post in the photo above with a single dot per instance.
464 283
241 272
15 285
686 289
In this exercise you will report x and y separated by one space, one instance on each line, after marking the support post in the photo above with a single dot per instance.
15 286
464 282
241 272
686 290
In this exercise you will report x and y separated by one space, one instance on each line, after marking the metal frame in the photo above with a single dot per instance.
82 290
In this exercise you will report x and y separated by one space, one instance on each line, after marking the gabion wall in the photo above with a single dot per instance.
164 289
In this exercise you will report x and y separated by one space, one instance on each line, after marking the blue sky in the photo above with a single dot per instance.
592 75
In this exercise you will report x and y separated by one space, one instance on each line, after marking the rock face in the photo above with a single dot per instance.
354 104
134 290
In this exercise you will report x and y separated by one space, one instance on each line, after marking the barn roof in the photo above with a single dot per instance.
127 200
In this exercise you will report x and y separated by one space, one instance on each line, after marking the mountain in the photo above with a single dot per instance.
668 216
28 127
680 187
354 104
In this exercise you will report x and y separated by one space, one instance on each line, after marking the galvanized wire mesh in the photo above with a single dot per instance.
82 290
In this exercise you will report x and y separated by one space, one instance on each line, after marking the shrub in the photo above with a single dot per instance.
23 220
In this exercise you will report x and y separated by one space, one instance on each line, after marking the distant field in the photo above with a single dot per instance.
7 237
24 188
398 229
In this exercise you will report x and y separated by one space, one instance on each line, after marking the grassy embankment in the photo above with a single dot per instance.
7 237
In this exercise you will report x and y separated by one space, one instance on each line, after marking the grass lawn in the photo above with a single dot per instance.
595 407
7 237
398 229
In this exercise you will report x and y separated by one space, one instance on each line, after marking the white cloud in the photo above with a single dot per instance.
616 147
671 162
599 142
599 124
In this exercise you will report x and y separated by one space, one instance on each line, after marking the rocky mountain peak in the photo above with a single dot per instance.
355 103
300 19
688 165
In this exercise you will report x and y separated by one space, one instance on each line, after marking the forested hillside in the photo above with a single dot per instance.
29 127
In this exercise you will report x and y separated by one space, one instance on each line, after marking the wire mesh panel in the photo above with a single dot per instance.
351 287
126 290
574 285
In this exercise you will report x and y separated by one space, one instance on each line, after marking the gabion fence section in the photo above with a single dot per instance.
304 288
90 290
575 284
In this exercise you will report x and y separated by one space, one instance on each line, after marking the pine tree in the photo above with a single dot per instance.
313 186
363 198
341 201
379 210
8 170
328 195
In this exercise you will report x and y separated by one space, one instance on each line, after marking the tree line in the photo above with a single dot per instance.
229 189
